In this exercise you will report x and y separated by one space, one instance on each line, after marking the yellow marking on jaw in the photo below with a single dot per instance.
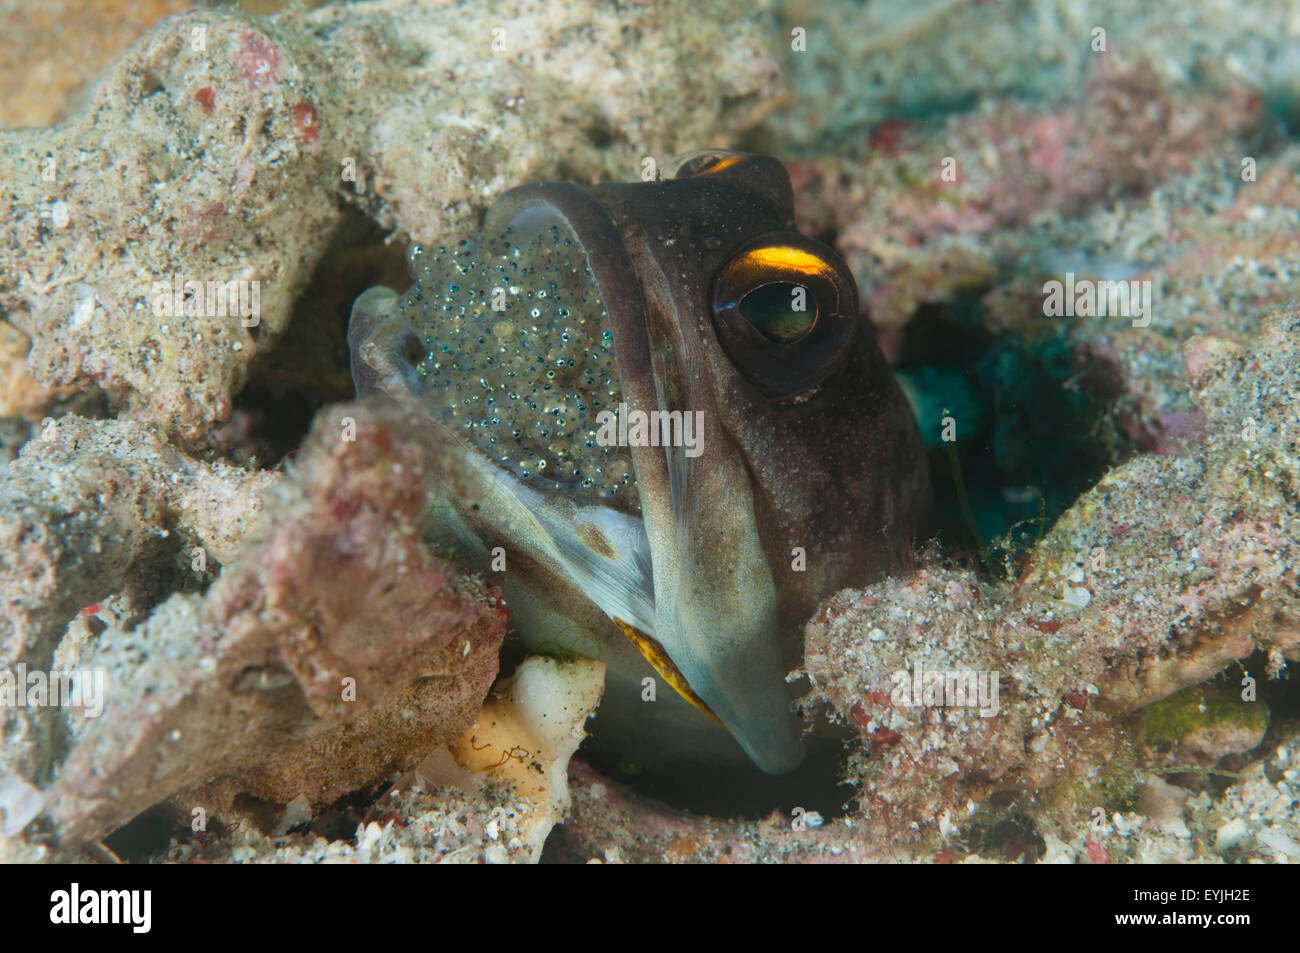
783 257
654 654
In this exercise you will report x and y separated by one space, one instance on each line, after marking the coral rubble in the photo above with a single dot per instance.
294 674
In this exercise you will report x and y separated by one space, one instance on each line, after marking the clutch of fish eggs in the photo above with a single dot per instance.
523 383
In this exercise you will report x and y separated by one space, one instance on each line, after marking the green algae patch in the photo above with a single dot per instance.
1200 725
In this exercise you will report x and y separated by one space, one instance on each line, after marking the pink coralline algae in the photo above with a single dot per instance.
306 122
257 60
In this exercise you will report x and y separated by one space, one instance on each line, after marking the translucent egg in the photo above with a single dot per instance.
517 355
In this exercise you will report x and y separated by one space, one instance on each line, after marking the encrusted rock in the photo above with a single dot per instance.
332 652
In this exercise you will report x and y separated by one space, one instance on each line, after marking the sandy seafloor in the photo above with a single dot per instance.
176 510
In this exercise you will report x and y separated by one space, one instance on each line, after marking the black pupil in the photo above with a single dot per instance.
782 312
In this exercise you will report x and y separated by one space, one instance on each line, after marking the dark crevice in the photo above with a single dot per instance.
737 793
145 836
308 366
1029 432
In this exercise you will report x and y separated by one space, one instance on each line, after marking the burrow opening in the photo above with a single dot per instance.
1030 437
1016 429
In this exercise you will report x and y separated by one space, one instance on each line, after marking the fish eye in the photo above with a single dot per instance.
785 309
780 311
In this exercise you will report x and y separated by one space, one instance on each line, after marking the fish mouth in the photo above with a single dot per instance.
682 573
721 660
715 644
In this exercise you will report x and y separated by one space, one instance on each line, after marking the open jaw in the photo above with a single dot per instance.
723 662
668 551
